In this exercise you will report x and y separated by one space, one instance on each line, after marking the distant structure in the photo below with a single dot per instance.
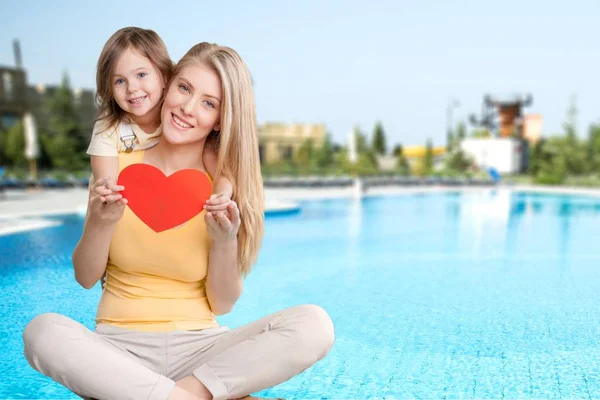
532 128
415 154
281 142
13 91
17 97
511 131
503 116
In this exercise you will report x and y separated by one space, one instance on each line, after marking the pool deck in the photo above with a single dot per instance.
23 210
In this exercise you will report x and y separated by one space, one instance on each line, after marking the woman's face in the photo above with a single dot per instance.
192 107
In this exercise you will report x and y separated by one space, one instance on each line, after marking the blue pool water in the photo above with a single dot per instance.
451 295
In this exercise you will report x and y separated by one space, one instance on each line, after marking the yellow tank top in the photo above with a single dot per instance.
156 281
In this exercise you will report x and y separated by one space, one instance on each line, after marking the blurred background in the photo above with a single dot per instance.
478 283
432 88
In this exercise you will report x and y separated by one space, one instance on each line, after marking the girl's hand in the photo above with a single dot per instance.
217 202
223 226
112 194
106 204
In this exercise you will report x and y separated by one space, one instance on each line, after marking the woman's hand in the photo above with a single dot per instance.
106 204
223 226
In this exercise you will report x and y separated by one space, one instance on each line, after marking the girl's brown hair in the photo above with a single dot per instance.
145 41
236 142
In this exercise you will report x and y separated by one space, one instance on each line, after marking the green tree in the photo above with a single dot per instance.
535 156
552 166
480 133
379 143
324 155
366 164
3 135
570 124
402 165
62 140
458 161
428 159
461 132
574 151
14 150
362 145
450 141
456 136
593 147
304 154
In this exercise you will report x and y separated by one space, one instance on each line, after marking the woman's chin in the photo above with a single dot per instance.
174 138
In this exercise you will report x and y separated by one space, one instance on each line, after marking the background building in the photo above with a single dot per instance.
17 97
281 142
415 155
13 95
506 155
85 106
532 128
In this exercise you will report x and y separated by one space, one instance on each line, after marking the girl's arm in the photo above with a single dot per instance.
222 187
224 281
103 149
104 167
105 208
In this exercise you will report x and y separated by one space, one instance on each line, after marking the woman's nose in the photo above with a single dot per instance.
188 107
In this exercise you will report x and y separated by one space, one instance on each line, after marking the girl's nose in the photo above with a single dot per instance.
133 87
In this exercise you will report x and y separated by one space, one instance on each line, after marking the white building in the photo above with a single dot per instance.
506 155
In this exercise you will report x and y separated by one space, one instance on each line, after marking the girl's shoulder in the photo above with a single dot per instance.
102 126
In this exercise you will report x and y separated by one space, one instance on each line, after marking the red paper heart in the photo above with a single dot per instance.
163 202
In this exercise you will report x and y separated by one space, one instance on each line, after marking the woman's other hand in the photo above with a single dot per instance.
217 202
223 226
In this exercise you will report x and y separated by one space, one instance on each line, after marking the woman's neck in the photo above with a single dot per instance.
148 122
170 158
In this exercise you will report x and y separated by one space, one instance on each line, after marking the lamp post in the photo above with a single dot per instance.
452 104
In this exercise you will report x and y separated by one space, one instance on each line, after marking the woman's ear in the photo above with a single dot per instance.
217 127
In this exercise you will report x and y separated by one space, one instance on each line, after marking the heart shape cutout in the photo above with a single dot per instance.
164 202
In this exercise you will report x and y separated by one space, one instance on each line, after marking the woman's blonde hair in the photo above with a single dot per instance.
236 142
148 44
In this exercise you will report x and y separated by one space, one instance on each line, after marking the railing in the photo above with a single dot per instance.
367 182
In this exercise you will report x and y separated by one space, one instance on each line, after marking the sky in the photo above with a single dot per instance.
346 63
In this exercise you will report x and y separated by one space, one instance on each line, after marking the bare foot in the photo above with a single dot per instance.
193 387
179 393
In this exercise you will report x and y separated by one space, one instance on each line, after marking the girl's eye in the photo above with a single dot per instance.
209 103
142 74
184 88
119 81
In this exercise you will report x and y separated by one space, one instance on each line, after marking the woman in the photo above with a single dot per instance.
156 335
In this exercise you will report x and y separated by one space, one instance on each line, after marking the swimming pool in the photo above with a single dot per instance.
491 294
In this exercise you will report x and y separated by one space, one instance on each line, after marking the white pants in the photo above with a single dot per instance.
116 363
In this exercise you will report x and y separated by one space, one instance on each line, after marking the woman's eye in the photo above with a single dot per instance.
184 88
142 74
119 81
209 103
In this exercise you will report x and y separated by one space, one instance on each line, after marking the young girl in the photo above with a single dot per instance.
133 70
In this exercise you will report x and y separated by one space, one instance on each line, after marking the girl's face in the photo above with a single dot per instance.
192 106
137 85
